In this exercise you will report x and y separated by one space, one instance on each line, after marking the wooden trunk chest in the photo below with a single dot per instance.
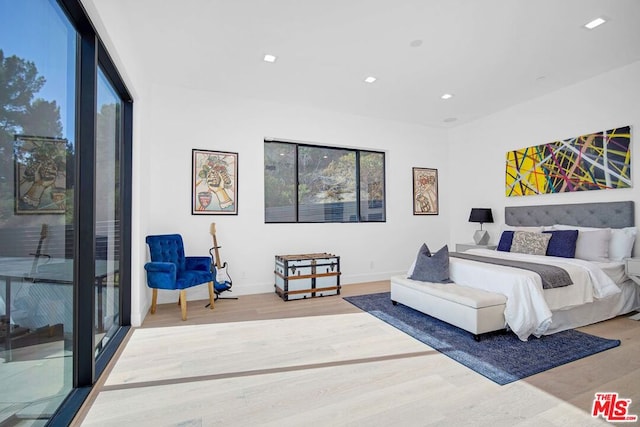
307 275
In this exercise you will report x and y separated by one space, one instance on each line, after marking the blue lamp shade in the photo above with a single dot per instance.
481 215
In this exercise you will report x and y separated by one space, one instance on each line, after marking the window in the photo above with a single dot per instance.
309 183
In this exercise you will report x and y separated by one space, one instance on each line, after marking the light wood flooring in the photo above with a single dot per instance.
322 362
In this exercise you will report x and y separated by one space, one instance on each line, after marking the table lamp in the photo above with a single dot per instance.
481 215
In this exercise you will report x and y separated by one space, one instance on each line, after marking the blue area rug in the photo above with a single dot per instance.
501 357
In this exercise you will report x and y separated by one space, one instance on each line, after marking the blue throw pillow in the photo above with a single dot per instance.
505 241
562 243
432 267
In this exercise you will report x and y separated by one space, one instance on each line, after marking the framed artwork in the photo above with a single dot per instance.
596 161
214 183
425 191
40 165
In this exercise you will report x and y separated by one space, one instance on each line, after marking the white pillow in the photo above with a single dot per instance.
576 227
620 243
506 227
593 245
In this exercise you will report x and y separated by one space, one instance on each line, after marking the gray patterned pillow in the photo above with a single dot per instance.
525 242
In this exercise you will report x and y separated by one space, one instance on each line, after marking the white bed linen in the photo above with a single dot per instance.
615 270
528 308
624 302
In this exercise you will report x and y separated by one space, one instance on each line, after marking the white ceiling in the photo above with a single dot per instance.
491 54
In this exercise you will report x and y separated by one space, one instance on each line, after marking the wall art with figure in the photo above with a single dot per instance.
214 183
40 174
425 191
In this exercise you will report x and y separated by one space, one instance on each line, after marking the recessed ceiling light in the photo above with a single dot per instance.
450 119
370 79
447 96
269 58
595 23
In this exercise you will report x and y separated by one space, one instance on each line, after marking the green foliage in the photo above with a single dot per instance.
279 175
19 82
42 118
107 180
372 175
326 175
340 178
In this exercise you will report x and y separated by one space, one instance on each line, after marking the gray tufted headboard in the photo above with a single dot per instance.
606 214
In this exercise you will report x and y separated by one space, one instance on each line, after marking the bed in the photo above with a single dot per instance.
599 289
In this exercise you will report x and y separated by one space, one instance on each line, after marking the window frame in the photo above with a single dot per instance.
358 200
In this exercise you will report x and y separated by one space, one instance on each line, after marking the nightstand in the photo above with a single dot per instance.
461 247
632 269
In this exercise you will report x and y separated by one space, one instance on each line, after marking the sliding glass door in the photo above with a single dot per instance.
38 55
65 189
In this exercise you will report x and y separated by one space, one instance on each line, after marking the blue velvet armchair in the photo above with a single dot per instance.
170 269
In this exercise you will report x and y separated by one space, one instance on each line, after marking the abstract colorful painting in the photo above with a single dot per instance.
596 161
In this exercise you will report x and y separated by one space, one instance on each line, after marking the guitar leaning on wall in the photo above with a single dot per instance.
221 280
44 232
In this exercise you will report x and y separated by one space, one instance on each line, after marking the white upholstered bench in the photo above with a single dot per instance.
473 310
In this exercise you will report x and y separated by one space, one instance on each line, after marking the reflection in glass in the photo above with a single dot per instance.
107 212
279 182
326 185
37 92
372 186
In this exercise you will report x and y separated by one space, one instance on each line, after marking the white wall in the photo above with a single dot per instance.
478 150
470 162
170 121
173 120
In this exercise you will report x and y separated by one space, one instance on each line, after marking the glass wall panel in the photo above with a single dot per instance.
37 173
279 182
108 135
326 185
372 186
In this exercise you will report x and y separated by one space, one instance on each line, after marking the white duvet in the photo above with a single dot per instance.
528 308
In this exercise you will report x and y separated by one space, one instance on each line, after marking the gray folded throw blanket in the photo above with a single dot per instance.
551 275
